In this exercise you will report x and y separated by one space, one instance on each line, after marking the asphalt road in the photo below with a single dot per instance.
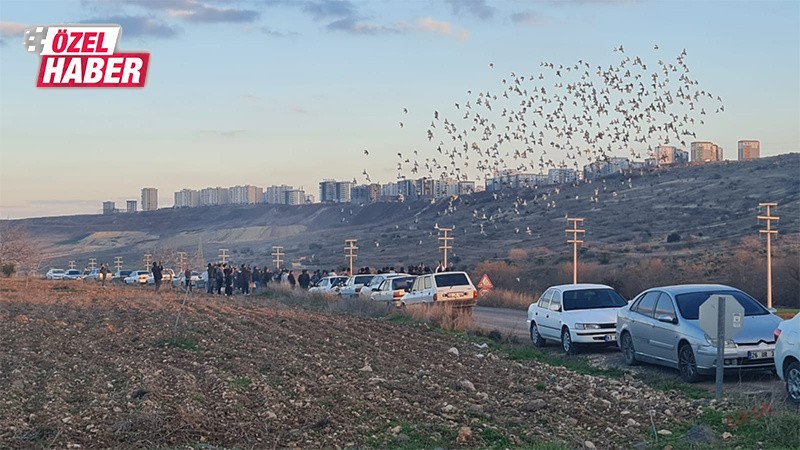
761 385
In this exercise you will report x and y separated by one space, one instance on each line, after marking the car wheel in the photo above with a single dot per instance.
687 364
566 342
793 382
536 339
628 352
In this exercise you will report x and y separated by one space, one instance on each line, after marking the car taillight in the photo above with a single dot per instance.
398 294
474 294
776 334
435 297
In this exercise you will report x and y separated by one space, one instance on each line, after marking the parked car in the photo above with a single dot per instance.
354 285
137 277
392 289
55 274
72 274
661 326
575 315
374 284
95 275
120 275
787 356
454 288
195 279
328 285
167 275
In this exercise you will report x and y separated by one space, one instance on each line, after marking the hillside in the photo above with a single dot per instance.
708 206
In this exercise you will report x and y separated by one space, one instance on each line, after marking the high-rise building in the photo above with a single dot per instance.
705 151
327 191
130 206
109 208
749 149
187 198
561 176
667 155
213 196
149 199
276 195
245 195
295 197
343 191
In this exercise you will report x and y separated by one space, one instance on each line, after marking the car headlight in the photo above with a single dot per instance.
587 326
713 342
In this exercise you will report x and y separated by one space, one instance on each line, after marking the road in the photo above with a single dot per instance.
510 322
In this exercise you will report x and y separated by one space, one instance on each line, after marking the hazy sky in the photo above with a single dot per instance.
269 92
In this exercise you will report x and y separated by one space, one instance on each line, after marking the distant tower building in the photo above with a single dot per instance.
343 191
668 155
295 197
109 208
327 191
276 195
187 198
149 199
749 149
131 206
704 151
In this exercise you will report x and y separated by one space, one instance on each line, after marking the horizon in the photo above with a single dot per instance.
236 93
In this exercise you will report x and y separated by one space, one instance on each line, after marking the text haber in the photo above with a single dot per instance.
116 70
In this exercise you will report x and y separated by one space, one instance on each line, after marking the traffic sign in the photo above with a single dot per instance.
709 316
485 283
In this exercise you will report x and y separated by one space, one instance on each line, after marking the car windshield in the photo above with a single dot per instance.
592 299
362 279
73 272
57 271
402 283
689 304
451 279
338 281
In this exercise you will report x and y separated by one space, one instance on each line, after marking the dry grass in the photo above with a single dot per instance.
444 316
505 298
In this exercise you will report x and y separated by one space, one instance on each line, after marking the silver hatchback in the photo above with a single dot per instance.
661 326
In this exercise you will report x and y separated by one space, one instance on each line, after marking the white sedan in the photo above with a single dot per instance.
328 285
392 289
575 314
55 274
354 285
787 356
137 277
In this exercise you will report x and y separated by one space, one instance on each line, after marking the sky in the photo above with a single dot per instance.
265 92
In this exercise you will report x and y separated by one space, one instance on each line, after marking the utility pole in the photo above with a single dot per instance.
445 242
92 263
769 232
277 255
118 263
350 249
148 260
182 261
72 265
223 255
575 241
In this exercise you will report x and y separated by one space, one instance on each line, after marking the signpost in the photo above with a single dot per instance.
721 316
485 285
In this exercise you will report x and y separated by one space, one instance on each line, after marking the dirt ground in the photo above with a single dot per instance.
90 367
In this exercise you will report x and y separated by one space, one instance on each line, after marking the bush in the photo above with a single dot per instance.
8 269
673 237
504 298
444 316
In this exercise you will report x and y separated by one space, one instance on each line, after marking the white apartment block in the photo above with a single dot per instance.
149 199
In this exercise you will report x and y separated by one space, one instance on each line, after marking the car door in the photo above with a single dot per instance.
428 288
537 312
413 296
664 335
550 326
641 325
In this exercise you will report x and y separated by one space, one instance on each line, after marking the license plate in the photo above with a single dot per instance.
609 338
761 354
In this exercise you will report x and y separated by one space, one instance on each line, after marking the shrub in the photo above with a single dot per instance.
8 269
504 298
673 237
444 316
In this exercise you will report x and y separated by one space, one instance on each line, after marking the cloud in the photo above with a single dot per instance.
224 133
424 25
591 2
209 14
477 8
527 18
298 110
277 34
9 30
325 9
138 26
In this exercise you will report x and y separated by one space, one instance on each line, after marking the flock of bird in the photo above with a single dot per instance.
563 116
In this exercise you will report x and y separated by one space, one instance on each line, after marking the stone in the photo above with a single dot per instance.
466 384
535 405
589 445
632 423
453 350
366 368
664 433
700 434
726 435
395 431
464 435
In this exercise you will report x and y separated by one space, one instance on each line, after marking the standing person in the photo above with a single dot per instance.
187 279
157 274
246 279
290 279
103 274
228 272
266 277
211 279
304 279
219 277
256 279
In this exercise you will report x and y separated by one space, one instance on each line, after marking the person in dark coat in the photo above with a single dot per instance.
290 279
212 278
227 271
304 279
157 274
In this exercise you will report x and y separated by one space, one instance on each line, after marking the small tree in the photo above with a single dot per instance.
19 251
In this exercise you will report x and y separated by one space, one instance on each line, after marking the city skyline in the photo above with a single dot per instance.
270 93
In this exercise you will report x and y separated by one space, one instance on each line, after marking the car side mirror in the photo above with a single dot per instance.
666 318
554 307
375 289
